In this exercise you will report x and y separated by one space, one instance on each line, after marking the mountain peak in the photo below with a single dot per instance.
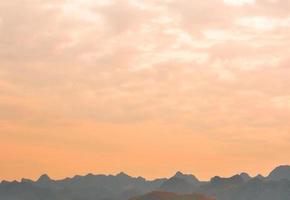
44 178
178 173
90 175
187 177
259 177
245 176
279 173
5 182
234 180
25 180
122 174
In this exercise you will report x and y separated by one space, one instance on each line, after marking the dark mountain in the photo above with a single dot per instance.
123 187
280 173
171 196
218 184
232 181
260 177
177 185
188 177
245 176
180 183
236 188
25 180
26 191
44 179
89 187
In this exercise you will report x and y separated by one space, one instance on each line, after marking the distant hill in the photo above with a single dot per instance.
236 188
280 173
245 176
187 177
171 196
26 191
89 187
180 183
179 187
227 182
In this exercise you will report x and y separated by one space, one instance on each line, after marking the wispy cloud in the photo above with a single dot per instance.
216 69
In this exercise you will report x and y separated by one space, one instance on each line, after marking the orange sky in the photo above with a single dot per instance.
148 87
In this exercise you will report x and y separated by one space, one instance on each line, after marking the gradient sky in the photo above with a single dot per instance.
148 87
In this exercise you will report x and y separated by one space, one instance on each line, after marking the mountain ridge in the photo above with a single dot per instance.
123 187
282 170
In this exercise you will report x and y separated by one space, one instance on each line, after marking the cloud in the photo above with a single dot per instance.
117 47
214 69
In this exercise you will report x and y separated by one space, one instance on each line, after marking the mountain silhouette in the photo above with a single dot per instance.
234 180
180 183
260 177
254 189
123 187
245 176
44 179
187 177
88 187
279 173
177 185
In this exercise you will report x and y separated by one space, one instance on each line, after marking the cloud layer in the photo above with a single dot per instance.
83 77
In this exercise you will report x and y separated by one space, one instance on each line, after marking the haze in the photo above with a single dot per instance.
148 87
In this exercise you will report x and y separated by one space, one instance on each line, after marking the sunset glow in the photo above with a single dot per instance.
148 87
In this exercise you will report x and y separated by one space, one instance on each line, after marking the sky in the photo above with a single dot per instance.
148 87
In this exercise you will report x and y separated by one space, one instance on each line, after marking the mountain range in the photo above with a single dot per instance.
275 186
